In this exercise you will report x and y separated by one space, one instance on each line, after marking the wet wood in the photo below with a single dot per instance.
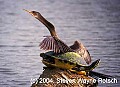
54 77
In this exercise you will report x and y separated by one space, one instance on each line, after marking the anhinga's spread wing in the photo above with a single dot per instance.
58 46
81 49
55 44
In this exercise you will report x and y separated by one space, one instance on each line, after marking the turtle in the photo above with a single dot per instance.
70 61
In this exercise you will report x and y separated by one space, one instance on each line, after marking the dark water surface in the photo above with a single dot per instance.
96 23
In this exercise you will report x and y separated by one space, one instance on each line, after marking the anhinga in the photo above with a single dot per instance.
54 43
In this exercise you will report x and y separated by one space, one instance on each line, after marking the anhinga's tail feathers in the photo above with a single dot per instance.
97 75
54 44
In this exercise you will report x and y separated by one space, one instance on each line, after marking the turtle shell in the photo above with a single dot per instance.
71 57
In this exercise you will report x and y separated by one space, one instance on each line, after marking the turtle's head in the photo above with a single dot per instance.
33 13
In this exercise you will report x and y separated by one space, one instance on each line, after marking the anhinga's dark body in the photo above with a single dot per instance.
54 43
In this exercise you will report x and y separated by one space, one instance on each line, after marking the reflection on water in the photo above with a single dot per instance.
95 23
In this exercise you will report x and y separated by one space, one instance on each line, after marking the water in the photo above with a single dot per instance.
96 23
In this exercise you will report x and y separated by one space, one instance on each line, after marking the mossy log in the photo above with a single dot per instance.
54 77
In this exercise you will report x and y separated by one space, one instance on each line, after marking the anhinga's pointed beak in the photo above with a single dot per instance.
28 11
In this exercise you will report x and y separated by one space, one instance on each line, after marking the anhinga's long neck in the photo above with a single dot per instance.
50 26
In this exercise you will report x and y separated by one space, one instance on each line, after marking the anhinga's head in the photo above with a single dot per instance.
38 16
33 13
